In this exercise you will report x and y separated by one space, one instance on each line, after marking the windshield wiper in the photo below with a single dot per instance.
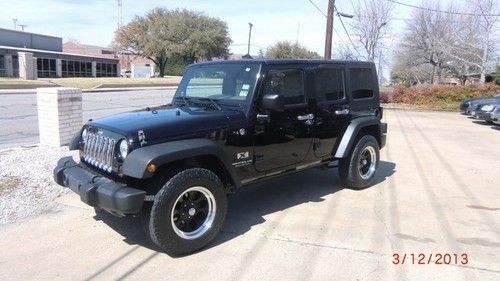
199 101
212 101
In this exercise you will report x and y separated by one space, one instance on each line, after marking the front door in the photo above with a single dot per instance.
285 139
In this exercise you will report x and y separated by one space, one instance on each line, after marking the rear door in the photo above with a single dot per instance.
331 109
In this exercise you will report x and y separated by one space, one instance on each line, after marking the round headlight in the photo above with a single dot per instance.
488 107
123 147
84 135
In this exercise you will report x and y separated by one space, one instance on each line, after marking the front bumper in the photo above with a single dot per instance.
98 191
483 115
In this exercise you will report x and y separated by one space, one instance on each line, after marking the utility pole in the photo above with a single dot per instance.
120 14
15 23
250 25
329 29
22 26
298 30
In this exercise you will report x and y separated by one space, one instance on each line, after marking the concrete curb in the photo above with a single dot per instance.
94 90
414 108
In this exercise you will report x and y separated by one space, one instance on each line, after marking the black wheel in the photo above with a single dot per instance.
358 169
187 212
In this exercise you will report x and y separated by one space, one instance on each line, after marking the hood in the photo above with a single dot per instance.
484 100
166 122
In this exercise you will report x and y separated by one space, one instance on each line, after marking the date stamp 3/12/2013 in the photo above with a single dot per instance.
430 258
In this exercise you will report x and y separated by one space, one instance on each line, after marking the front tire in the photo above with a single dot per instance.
188 212
357 170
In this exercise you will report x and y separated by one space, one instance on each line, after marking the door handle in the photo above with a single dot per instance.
263 118
344 111
309 116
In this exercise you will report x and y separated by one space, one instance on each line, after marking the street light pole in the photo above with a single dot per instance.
15 23
329 30
23 26
250 25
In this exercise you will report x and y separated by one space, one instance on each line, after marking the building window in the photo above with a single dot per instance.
106 70
15 66
2 67
72 68
46 67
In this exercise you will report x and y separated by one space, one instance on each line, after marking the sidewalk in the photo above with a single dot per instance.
94 90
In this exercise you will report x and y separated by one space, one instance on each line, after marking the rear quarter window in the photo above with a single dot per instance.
361 83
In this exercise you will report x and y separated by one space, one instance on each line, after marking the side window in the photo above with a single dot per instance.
288 83
329 84
361 83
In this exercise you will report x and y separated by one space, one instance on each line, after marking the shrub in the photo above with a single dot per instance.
497 76
384 97
441 96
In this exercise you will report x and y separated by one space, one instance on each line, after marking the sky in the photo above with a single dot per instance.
93 22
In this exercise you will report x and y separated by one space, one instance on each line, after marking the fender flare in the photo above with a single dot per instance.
352 131
135 165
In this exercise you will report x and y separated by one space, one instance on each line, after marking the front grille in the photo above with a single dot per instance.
98 151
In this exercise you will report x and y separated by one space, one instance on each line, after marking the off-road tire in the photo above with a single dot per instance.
160 227
349 172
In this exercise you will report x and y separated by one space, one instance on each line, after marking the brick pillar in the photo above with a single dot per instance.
118 70
59 67
9 68
25 65
94 69
59 114
35 69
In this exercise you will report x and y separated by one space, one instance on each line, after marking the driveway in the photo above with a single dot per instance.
437 192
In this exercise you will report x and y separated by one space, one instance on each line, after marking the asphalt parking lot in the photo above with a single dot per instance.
437 191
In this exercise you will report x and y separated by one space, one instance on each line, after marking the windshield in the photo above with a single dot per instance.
225 83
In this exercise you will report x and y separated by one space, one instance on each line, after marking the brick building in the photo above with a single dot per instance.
28 56
139 66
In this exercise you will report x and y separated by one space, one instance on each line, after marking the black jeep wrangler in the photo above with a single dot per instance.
230 123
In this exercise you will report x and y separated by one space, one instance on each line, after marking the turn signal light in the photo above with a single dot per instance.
151 168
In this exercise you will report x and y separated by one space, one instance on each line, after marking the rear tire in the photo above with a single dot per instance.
188 212
357 170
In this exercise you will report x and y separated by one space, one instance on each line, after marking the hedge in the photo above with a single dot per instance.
441 96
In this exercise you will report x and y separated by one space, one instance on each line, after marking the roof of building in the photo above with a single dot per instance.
25 32
89 46
51 52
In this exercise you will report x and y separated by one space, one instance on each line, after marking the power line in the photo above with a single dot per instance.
345 29
317 8
445 12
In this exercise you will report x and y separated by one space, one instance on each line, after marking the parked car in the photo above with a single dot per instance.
483 110
495 115
468 105
231 123
126 73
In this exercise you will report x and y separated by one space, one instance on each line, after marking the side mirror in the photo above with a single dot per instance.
273 103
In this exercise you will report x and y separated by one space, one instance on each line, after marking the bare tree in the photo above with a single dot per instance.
344 51
486 9
370 24
455 42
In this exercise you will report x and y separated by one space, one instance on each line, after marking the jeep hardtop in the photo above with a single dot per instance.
230 123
